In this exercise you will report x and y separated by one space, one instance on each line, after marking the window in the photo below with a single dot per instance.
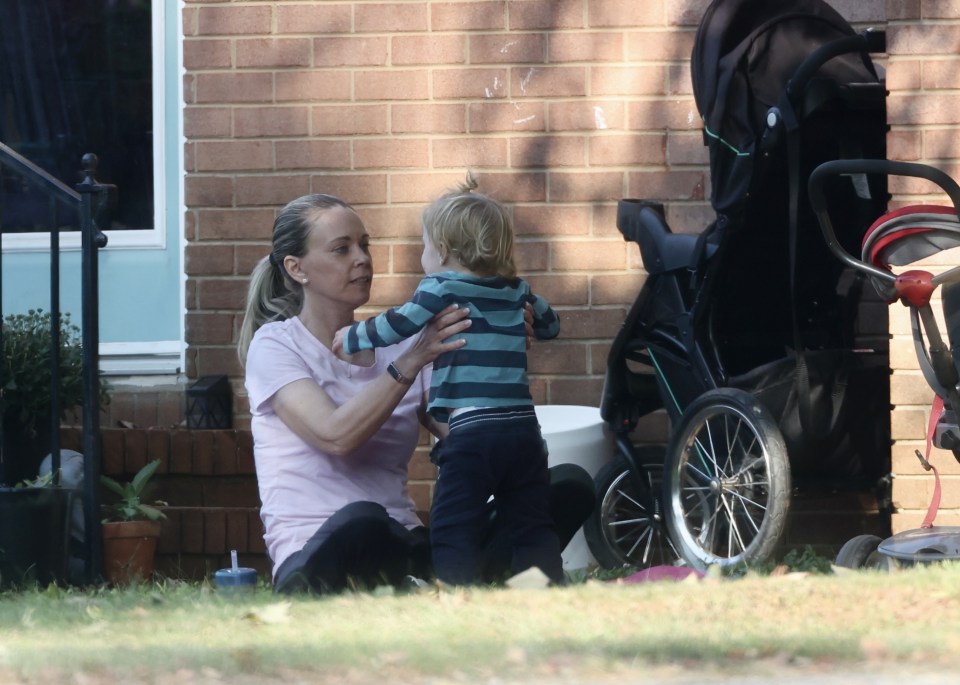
76 77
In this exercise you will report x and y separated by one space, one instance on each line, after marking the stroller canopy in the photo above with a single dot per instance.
744 55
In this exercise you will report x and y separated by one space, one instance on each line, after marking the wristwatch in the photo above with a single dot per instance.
397 376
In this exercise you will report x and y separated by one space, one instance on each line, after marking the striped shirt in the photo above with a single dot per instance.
491 369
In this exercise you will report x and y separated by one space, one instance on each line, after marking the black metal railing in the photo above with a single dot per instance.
87 199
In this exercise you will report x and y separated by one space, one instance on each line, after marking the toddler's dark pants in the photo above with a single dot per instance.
493 452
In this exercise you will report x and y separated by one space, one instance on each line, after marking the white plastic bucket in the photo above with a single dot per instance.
575 435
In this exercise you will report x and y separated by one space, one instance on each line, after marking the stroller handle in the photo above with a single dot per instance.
849 167
866 41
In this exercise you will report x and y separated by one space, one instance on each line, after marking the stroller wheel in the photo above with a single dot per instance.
727 481
627 527
861 552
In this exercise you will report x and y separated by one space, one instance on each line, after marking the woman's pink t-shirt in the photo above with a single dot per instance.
300 486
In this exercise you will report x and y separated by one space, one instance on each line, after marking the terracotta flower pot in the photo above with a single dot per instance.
129 548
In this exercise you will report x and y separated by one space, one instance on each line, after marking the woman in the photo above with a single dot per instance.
333 436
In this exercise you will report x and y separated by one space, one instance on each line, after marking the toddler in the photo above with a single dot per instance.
493 444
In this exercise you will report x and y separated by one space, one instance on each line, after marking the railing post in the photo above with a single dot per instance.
91 239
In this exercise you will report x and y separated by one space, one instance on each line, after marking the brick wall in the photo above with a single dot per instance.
561 106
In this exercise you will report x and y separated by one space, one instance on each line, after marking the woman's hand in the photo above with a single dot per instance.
435 339
338 338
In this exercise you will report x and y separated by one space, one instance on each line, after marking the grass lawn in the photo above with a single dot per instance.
174 632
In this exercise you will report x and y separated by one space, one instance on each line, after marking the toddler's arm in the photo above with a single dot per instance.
395 324
546 323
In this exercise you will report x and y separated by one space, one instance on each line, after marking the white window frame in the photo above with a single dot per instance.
154 238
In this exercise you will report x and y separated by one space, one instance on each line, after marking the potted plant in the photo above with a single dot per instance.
25 372
130 528
34 517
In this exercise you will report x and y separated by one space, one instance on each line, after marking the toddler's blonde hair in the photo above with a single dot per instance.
474 229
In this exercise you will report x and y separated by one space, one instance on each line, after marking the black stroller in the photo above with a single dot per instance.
751 337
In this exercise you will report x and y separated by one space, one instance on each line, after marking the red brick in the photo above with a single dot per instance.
428 118
208 259
428 49
357 189
585 115
349 119
587 47
328 17
607 289
903 9
206 54
562 291
545 14
232 224
548 81
202 452
592 324
531 256
477 82
585 186
395 17
255 531
680 185
313 86
270 122
627 81
274 52
245 462
191 531
234 20
508 48
580 391
485 117
556 357
312 154
221 88
551 220
350 51
659 46
237 531
616 150
922 39
275 190
389 153
208 190
214 531
206 328
225 452
407 84
181 452
673 114
250 155
470 16
469 152
614 13
221 293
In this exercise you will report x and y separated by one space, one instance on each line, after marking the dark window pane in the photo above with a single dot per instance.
75 77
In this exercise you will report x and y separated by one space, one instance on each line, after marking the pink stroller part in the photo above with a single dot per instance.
901 238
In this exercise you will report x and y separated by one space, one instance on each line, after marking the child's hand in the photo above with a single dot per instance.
338 340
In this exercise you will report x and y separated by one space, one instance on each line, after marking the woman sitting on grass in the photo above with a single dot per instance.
332 437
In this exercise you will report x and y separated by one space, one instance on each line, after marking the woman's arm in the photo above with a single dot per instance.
310 413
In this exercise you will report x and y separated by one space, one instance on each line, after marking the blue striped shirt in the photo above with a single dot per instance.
491 369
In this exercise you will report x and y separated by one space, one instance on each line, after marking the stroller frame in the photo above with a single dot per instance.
718 492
